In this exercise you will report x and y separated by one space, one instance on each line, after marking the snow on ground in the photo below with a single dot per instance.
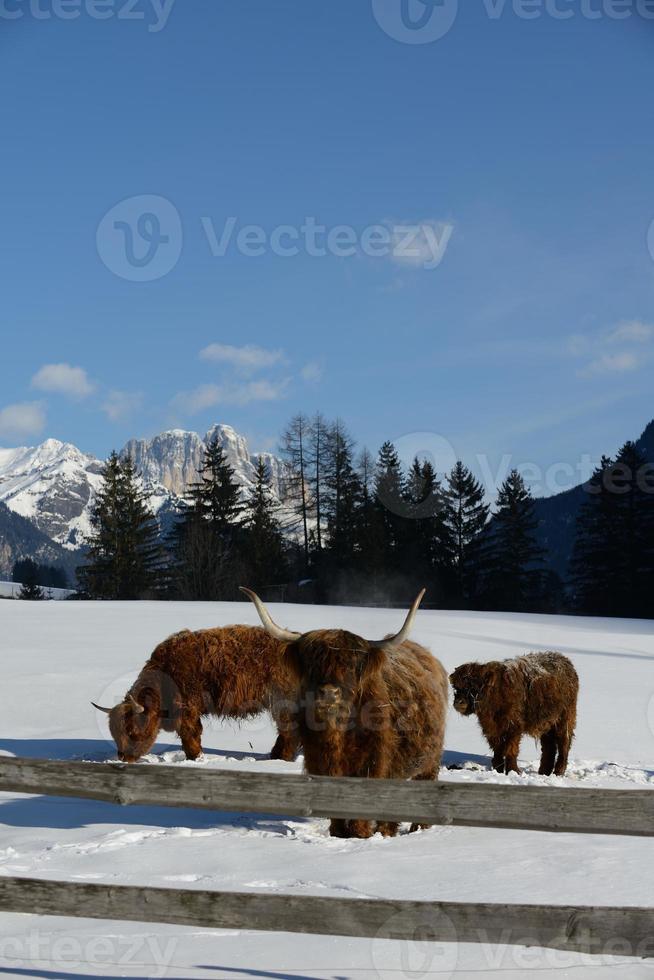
56 657
11 590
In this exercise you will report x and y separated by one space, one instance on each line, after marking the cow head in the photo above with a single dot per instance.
333 667
133 725
470 682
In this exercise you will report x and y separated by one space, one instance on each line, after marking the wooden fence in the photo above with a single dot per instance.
543 808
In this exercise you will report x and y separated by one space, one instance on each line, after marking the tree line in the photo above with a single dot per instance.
353 528
612 568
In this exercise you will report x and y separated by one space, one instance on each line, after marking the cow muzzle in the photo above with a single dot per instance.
328 696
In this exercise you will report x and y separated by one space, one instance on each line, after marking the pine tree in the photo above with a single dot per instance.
514 556
207 543
264 542
32 592
632 483
466 516
343 496
47 576
29 577
124 558
613 558
427 539
390 502
593 574
216 496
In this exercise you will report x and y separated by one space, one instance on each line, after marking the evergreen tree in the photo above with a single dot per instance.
390 503
593 573
264 541
427 539
29 577
32 592
48 576
343 496
124 558
632 484
207 543
613 558
513 557
466 515
216 496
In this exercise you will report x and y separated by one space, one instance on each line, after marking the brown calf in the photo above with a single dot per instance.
532 695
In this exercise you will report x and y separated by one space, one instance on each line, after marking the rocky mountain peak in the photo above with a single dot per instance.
53 485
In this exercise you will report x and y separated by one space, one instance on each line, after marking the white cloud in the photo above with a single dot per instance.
631 331
209 395
22 420
247 359
311 372
623 348
618 363
120 405
63 379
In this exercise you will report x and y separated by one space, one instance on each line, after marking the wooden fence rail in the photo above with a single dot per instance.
544 808
612 931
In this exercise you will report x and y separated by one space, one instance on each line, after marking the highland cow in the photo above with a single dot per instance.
230 672
366 708
532 695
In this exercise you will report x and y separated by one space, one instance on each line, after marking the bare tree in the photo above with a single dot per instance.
317 463
294 446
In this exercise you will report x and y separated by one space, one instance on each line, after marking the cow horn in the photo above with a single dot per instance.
107 711
394 641
138 708
286 636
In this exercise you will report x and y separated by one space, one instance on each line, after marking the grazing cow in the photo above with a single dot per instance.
532 695
366 708
229 672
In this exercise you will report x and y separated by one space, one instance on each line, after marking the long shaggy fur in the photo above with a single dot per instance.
366 712
228 672
532 695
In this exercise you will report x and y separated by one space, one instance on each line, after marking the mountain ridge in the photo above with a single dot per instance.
557 515
50 488
53 485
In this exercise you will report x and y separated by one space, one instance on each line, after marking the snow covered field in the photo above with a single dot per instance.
11 590
56 657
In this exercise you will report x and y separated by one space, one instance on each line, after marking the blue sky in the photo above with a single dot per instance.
522 147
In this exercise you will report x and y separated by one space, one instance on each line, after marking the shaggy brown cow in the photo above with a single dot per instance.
532 695
230 672
367 708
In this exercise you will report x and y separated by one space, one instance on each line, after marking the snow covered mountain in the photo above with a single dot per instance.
172 458
53 485
20 538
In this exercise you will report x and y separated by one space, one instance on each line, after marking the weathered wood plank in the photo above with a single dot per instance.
547 808
623 931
